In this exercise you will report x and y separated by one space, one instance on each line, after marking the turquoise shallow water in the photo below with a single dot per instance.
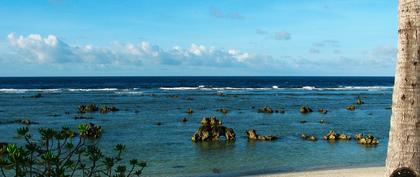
168 148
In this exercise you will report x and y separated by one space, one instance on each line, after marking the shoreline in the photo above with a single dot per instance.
377 171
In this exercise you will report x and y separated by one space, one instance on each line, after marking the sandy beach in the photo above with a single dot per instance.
351 172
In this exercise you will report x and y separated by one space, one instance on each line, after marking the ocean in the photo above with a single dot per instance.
168 149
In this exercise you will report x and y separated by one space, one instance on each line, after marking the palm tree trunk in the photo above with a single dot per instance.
404 137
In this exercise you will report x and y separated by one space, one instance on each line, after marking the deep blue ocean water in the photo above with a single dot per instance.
144 101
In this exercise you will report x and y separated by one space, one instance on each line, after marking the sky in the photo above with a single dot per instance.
198 37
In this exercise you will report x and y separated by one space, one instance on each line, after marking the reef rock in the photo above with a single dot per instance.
252 135
351 108
367 140
323 111
211 129
106 109
359 101
184 119
266 109
333 136
304 109
190 111
308 137
88 108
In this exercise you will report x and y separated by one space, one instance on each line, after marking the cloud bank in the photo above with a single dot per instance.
35 48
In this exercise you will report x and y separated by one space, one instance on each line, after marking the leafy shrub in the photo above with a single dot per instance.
65 153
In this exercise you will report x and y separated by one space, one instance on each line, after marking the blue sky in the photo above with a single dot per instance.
197 37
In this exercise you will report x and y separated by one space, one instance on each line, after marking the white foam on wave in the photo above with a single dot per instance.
93 90
275 87
129 93
344 88
12 90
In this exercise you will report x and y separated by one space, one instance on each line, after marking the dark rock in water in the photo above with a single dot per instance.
66 113
90 131
178 166
351 108
253 107
252 135
20 121
388 107
184 120
190 111
136 111
223 110
189 98
266 110
38 95
53 115
159 123
88 108
106 109
359 101
322 121
308 137
304 109
323 111
303 121
215 170
82 117
333 136
211 129
25 122
366 140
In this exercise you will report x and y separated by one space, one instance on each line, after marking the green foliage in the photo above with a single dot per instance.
61 154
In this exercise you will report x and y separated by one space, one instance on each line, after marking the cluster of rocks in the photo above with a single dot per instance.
268 109
366 140
88 108
305 110
93 108
333 136
106 109
308 137
252 135
211 129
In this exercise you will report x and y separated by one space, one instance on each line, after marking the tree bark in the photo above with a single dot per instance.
404 136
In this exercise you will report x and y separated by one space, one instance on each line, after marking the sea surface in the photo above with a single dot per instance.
168 149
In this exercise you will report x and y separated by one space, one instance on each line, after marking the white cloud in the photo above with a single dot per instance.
37 49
